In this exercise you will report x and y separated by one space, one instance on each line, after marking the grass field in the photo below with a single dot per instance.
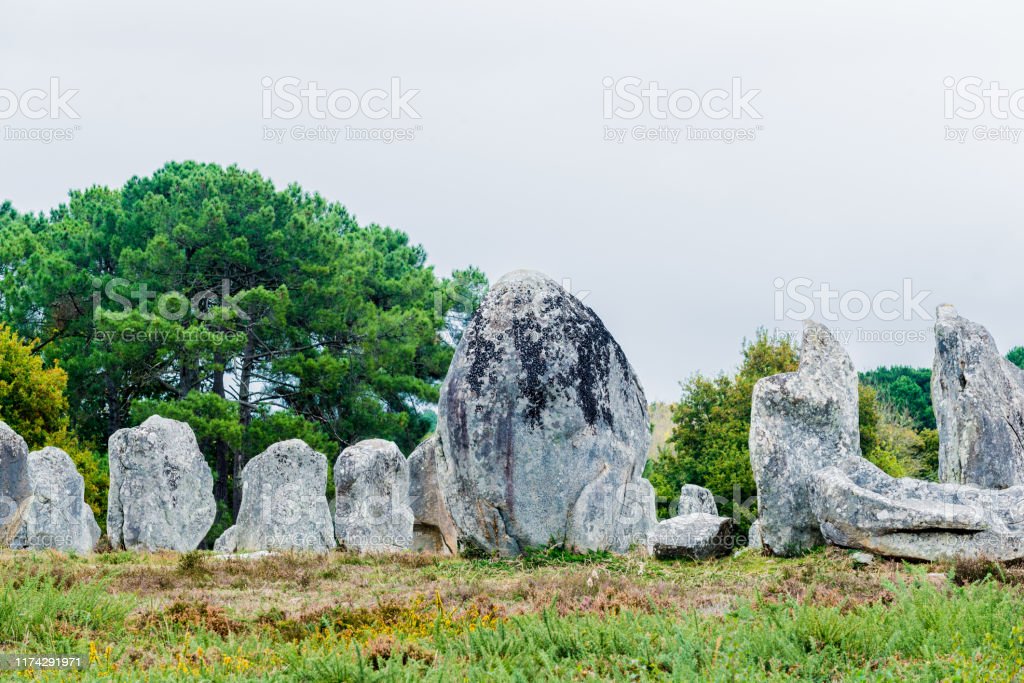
549 616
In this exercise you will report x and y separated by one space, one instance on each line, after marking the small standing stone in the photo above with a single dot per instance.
57 516
371 479
284 506
161 489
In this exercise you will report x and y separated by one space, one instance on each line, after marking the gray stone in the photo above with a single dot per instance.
693 498
284 505
860 506
161 489
801 422
15 485
697 536
755 540
433 529
57 516
978 398
371 479
543 425
862 559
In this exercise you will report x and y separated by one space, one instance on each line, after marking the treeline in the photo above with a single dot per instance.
711 423
253 313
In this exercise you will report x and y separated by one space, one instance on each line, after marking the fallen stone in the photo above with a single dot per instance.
978 397
693 498
862 559
284 506
801 422
859 506
161 489
15 485
433 529
371 479
57 516
543 426
697 536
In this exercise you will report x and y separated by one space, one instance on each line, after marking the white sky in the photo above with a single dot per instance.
849 180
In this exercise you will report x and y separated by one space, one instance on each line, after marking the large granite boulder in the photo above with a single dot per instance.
697 536
372 511
860 506
161 489
978 397
57 516
15 485
693 498
433 528
543 426
801 422
284 503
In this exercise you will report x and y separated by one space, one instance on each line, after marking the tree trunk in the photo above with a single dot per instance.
244 411
220 486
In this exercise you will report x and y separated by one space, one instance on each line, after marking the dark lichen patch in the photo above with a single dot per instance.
562 350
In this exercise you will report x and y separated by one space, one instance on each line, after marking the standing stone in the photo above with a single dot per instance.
433 528
697 536
693 498
543 426
57 516
284 504
161 489
15 485
755 541
372 512
979 406
801 422
860 506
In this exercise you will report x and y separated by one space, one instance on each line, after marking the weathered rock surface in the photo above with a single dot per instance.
697 536
57 516
543 425
433 528
161 489
801 422
860 506
15 486
284 504
978 397
372 512
755 540
693 498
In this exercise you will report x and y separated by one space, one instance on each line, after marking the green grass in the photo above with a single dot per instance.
548 616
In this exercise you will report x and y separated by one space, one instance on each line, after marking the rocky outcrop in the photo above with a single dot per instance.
284 506
693 498
859 506
801 422
978 397
15 485
161 489
543 425
57 516
697 536
372 512
433 528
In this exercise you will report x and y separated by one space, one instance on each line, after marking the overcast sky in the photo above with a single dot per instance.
683 247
